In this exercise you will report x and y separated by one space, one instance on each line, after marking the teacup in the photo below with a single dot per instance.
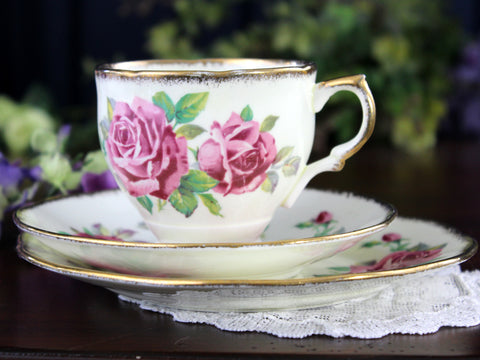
207 150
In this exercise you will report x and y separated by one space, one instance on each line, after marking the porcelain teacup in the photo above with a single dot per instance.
208 149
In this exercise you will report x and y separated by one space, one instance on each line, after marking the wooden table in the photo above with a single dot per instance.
47 316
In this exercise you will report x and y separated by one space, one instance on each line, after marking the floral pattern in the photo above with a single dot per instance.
398 260
402 254
237 155
144 151
323 224
148 144
99 231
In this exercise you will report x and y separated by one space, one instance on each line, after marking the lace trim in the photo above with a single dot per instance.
411 304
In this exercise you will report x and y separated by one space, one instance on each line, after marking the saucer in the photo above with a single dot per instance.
112 236
407 247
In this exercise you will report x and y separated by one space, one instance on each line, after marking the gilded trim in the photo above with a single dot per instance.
390 216
359 82
469 251
241 68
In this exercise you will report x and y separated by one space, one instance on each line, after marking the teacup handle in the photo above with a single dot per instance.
336 159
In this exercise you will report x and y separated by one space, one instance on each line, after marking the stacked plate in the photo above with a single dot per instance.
315 253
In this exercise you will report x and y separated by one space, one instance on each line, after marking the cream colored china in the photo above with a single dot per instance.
217 143
103 230
412 246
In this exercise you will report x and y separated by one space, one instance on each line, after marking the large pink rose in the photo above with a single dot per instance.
398 260
237 155
144 151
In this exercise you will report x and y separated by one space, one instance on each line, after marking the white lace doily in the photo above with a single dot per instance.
411 304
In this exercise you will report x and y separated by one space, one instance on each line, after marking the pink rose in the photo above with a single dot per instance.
398 260
323 217
391 237
237 155
144 151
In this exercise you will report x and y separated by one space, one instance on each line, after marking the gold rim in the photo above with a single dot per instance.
241 67
391 214
469 251
359 82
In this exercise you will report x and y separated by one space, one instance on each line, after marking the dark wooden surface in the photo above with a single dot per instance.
44 315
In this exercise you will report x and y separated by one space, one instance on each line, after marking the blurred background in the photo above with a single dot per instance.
421 58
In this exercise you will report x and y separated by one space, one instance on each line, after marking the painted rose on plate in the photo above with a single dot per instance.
398 260
400 254
160 156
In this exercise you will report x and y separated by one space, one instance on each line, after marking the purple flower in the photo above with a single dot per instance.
12 174
471 113
64 132
95 182
464 118
469 69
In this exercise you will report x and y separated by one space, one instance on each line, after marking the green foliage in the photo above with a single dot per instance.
404 47
192 187
184 201
268 123
190 131
189 106
247 113
33 154
198 181
24 127
185 110
146 203
162 100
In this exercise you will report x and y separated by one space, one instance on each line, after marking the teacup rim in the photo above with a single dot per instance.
139 68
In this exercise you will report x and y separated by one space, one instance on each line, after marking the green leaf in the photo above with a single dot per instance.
104 125
146 203
103 230
161 99
291 166
72 180
268 123
198 181
194 152
340 268
441 246
247 113
94 162
211 203
422 247
190 131
88 232
43 141
304 225
161 203
184 201
371 244
189 106
283 153
110 108
271 182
